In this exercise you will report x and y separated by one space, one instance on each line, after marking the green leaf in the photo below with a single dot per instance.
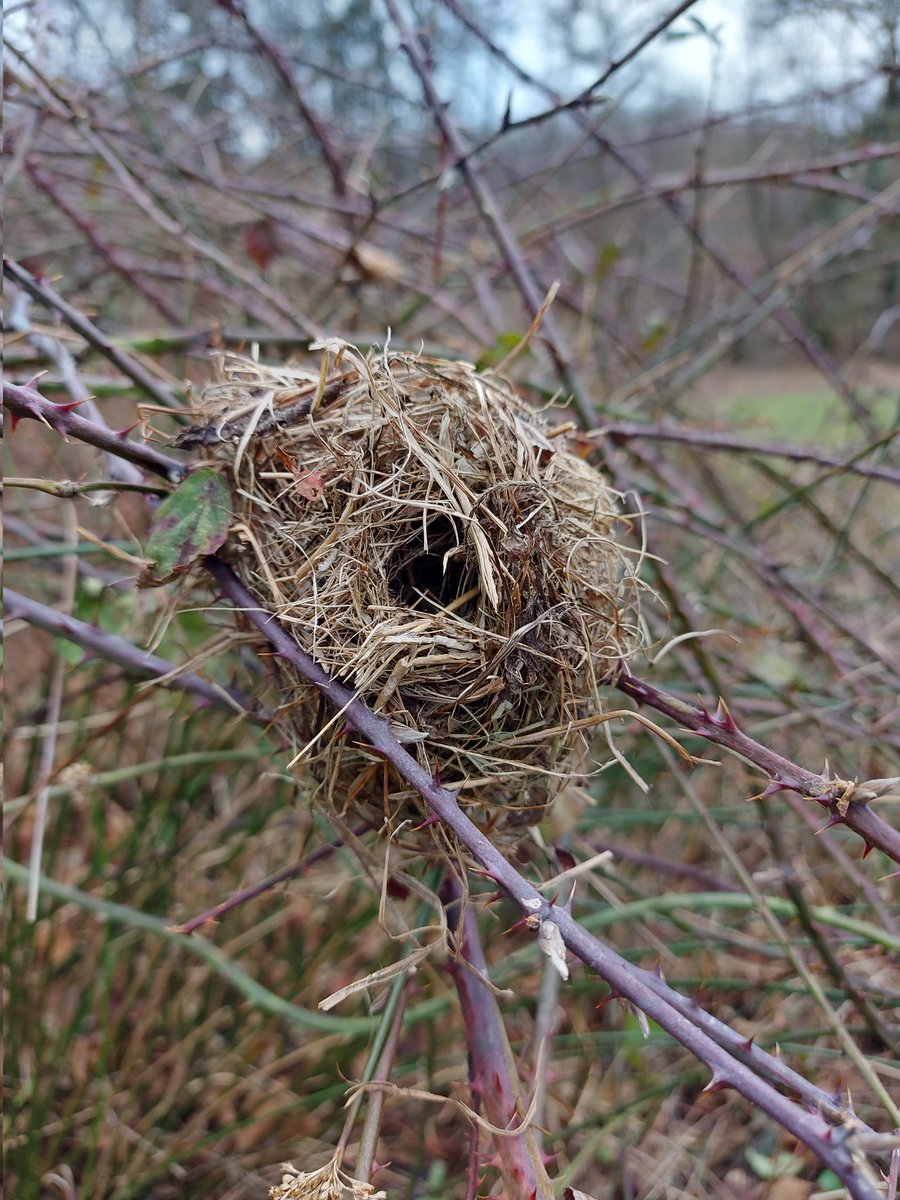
775 1166
189 524
607 257
496 353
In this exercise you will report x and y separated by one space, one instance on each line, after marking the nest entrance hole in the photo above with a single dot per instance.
421 575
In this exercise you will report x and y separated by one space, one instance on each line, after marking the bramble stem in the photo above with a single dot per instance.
76 320
131 658
494 1079
834 1146
24 400
845 801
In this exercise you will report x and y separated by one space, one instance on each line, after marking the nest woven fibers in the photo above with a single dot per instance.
430 540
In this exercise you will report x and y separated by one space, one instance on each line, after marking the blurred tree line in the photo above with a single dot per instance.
319 101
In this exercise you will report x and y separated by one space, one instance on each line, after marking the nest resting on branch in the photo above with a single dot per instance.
428 539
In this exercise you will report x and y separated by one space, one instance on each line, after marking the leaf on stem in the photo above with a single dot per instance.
189 524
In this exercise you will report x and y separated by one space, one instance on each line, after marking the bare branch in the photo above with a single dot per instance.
91 334
845 800
132 658
24 400
624 431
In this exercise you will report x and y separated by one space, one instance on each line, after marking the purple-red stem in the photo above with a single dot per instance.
782 774
832 1144
24 400
493 1075
131 658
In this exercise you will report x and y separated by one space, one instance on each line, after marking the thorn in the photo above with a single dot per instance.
772 788
868 847
397 890
494 897
373 750
434 819
747 1044
716 1084
123 433
724 717
520 924
68 405
483 872
343 731
564 857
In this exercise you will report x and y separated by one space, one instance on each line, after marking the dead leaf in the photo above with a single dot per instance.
551 943
785 1188
311 485
261 242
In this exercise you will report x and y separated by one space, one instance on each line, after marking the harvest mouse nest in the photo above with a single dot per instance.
430 540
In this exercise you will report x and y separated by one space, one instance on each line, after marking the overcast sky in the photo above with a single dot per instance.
728 69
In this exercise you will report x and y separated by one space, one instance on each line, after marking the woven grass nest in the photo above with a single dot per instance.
430 540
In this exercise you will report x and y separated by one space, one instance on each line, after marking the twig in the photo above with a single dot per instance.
624 431
69 113
799 174
48 747
54 350
131 658
109 254
493 218
858 879
24 400
68 489
824 946
786 317
845 800
584 98
833 1146
89 331
270 51
778 935
266 885
368 1138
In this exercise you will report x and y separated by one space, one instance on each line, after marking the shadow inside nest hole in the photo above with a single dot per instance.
431 571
